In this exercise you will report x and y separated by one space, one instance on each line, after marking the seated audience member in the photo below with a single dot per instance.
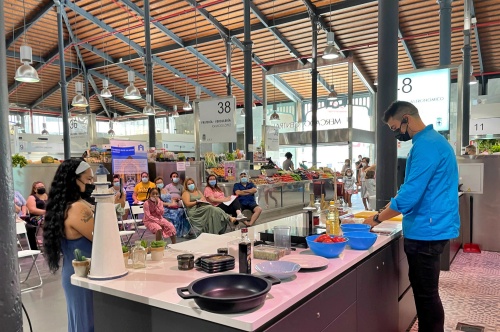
20 204
215 196
172 212
120 196
36 204
142 188
202 214
470 150
175 187
153 217
246 195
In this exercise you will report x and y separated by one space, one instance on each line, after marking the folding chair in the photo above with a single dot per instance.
136 210
21 229
196 231
126 235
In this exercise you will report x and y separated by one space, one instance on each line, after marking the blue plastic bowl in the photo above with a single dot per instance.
361 240
355 227
327 250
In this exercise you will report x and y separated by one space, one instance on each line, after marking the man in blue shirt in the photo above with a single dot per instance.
246 195
428 200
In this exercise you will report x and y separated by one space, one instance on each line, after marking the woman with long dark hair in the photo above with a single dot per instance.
216 197
69 223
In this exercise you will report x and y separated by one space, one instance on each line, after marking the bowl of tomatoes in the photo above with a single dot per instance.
326 246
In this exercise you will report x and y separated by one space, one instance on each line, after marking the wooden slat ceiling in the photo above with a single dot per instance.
355 28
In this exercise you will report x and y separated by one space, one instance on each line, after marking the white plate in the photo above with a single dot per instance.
307 261
278 269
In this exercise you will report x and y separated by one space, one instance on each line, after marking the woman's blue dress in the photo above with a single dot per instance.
79 300
176 217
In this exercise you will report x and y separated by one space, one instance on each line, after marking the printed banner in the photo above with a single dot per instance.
130 159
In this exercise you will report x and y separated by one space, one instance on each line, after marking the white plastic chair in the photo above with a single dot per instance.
136 210
21 254
126 235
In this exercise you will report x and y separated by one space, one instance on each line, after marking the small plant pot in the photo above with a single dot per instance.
126 256
157 254
81 267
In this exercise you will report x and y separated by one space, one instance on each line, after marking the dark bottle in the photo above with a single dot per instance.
245 252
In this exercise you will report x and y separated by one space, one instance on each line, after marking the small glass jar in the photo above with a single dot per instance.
185 262
138 256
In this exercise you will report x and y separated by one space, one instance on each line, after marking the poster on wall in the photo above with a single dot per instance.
217 120
130 159
429 91
229 170
272 138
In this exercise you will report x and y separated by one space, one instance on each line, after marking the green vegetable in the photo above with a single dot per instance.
47 160
78 255
17 159
144 243
124 249
158 244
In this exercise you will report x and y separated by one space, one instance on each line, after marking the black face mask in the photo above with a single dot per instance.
89 188
399 135
40 191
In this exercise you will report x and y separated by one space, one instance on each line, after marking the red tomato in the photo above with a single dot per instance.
338 239
328 240
322 238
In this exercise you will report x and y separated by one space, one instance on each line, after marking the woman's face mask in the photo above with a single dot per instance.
40 191
190 186
364 164
145 180
212 182
116 184
159 185
349 174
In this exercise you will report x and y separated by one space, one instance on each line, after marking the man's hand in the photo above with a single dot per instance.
369 221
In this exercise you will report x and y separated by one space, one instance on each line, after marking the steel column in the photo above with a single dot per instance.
350 91
64 94
314 90
149 72
386 148
444 32
247 64
229 88
466 76
11 318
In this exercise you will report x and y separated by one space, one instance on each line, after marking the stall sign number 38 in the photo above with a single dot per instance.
224 107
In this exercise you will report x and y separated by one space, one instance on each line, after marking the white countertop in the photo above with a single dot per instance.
157 284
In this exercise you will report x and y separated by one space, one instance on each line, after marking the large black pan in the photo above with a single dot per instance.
229 293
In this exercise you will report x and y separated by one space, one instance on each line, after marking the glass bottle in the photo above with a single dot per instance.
311 200
332 220
138 256
245 252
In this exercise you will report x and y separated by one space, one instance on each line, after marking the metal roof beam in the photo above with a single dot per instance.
323 83
286 89
97 93
180 42
255 58
476 36
293 51
24 29
222 29
407 49
134 45
53 90
363 77
39 59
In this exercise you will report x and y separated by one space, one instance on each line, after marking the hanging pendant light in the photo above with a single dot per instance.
44 131
186 106
274 116
472 78
26 73
242 113
330 50
111 132
333 94
105 92
175 114
148 109
79 100
131 92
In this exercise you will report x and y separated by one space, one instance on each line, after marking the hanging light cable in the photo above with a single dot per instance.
105 92
26 73
111 132
131 92
331 51
175 114
333 94
274 116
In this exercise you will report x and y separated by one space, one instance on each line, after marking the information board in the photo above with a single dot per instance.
272 138
217 120
80 131
487 126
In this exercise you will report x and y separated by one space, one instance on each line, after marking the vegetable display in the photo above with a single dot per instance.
325 238
17 159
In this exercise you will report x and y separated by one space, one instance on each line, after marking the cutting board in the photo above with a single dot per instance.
366 214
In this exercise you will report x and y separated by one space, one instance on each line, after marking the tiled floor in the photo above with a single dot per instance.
470 291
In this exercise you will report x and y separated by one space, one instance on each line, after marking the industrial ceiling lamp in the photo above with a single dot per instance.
186 106
131 92
79 100
331 51
105 92
26 73
148 109
274 117
472 79
175 114
333 94
45 132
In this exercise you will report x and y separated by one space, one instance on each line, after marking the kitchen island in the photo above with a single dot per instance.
356 292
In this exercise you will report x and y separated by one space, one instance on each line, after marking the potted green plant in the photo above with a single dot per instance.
145 245
157 249
126 255
81 264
